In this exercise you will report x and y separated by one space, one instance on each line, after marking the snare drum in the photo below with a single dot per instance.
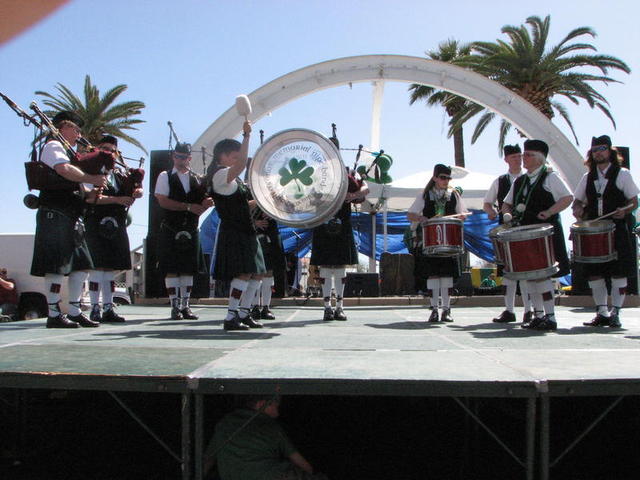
593 241
528 252
498 248
442 237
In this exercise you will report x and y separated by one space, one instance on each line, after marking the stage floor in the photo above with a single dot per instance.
378 351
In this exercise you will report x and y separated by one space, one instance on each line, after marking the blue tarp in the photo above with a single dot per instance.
476 234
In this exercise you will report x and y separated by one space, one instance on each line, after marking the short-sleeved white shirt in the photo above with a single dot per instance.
220 184
162 184
624 182
53 153
418 204
553 184
492 194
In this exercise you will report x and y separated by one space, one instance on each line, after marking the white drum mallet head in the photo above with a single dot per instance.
243 106
507 217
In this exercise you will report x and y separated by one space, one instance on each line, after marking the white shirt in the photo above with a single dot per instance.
162 184
492 194
553 184
418 204
53 153
220 184
624 182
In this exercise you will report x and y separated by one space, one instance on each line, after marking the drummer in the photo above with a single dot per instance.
538 197
495 195
605 188
437 200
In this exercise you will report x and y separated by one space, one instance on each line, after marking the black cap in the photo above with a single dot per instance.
602 140
511 149
108 139
536 146
441 169
183 148
67 115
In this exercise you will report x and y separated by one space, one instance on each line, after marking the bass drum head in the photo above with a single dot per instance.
297 177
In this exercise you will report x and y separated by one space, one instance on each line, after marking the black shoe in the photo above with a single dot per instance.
446 315
250 322
187 314
110 316
235 324
95 314
176 314
266 314
328 314
598 321
255 312
527 318
546 323
61 321
339 314
433 318
614 321
505 317
83 321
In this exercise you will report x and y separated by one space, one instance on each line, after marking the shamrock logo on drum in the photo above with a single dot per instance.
299 173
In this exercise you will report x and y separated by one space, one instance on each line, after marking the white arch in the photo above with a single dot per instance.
367 68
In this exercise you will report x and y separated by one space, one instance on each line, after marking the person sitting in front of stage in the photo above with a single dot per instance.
182 196
534 198
238 255
495 196
489 281
8 297
437 200
249 444
605 188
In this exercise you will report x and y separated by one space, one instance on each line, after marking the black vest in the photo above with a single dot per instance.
70 202
539 200
183 220
115 210
612 196
429 209
504 184
233 209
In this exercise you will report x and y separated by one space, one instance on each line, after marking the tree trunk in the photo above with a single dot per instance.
458 147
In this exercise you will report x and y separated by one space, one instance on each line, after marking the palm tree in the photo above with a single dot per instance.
539 73
448 51
99 115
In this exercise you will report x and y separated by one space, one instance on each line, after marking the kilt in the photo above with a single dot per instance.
108 251
624 266
179 254
436 266
59 246
237 253
272 252
329 248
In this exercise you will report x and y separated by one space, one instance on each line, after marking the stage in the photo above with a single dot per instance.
379 351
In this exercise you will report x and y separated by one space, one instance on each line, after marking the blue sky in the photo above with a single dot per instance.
187 60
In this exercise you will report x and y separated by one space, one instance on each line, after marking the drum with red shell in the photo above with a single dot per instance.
593 241
442 237
498 248
528 252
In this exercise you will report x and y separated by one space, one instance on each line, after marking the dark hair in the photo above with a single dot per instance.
227 145
614 157
430 184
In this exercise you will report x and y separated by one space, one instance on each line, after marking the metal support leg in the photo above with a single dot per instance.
186 436
544 438
199 434
530 437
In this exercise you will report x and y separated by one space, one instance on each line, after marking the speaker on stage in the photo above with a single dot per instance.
362 285
397 274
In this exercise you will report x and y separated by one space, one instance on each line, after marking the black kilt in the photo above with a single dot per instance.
329 248
237 253
272 252
109 252
180 256
426 267
59 246
624 245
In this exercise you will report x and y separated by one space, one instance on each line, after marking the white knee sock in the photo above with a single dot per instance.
267 286
599 294
256 298
545 288
52 287
173 284
236 289
618 293
509 294
76 281
247 297
446 284
95 283
326 277
339 278
433 285
186 284
526 298
108 287
536 297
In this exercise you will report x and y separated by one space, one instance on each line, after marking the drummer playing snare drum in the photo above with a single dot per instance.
604 189
437 200
538 197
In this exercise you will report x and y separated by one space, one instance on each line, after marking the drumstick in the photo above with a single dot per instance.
626 207
458 215
243 106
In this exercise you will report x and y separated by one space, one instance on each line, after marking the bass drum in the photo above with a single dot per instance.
297 177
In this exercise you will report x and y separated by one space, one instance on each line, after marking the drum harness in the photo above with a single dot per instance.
526 190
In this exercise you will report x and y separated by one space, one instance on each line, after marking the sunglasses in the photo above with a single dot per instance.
600 148
107 149
444 177
181 156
